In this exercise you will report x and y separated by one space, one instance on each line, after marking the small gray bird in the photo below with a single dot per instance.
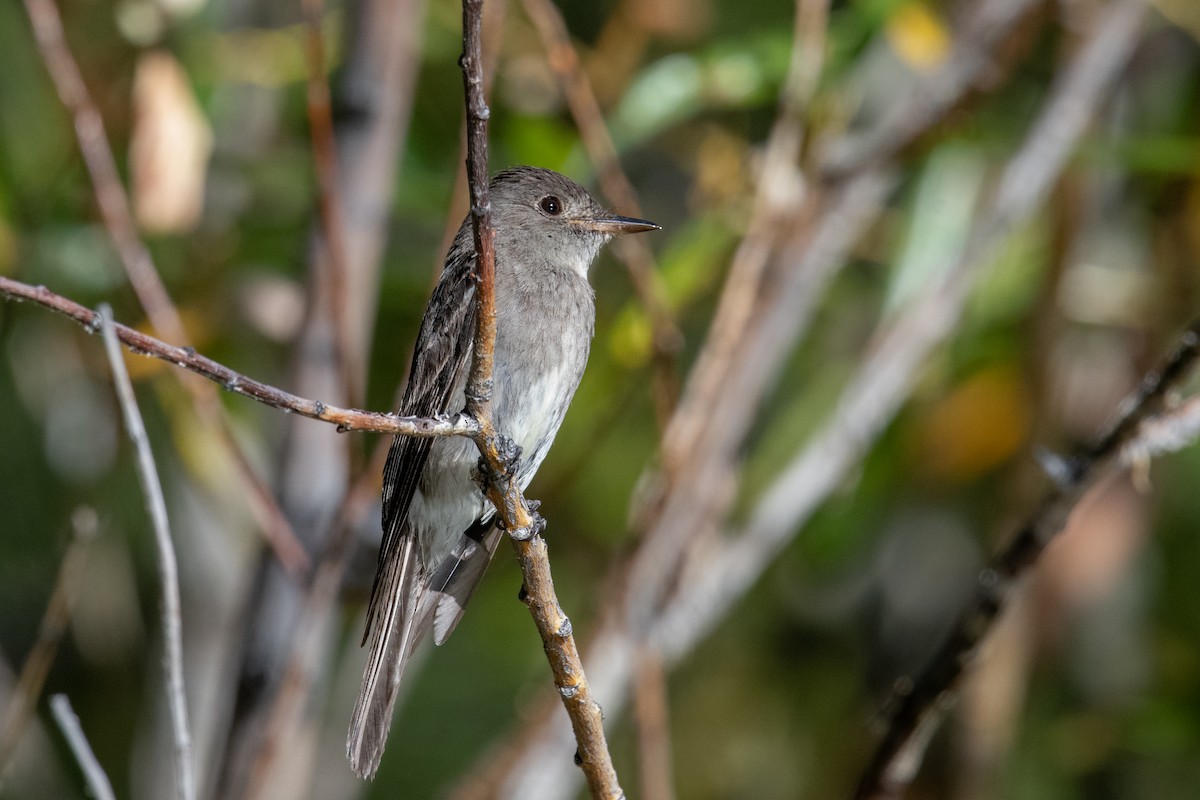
438 527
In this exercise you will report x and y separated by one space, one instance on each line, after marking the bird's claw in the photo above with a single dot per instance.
509 453
535 528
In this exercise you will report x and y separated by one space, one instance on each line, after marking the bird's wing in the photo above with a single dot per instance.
401 608
458 576
440 364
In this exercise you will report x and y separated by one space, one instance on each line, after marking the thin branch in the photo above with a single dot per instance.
113 204
187 358
587 720
54 624
493 25
917 706
479 384
168 569
524 530
111 198
93 773
798 239
779 202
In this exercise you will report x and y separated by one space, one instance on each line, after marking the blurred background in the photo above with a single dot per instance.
906 244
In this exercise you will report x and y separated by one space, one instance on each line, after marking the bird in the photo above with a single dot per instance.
439 529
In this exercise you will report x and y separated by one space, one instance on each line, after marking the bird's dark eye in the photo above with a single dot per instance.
551 205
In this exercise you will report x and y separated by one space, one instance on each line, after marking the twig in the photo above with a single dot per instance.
113 203
592 754
187 358
54 624
111 199
798 239
185 781
778 202
479 383
917 705
460 201
93 773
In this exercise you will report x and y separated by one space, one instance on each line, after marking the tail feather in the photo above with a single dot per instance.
404 612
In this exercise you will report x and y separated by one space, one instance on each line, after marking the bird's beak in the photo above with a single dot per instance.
614 225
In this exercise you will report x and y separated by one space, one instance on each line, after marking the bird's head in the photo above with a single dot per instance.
542 217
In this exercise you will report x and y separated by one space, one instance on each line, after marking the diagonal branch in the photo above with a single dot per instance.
918 705
346 419
93 773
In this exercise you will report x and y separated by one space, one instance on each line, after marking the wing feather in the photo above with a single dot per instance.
455 581
440 364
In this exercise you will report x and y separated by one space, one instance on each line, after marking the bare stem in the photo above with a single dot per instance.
139 343
93 773
185 780
524 530
479 386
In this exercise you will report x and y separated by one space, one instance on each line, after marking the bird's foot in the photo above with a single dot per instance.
535 528
508 458
509 453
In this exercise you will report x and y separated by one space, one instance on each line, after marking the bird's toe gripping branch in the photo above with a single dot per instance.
537 524
496 475
500 469
509 453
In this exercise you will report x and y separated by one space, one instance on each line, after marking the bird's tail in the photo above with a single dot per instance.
403 613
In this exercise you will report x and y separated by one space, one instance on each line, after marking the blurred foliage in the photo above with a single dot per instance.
778 702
